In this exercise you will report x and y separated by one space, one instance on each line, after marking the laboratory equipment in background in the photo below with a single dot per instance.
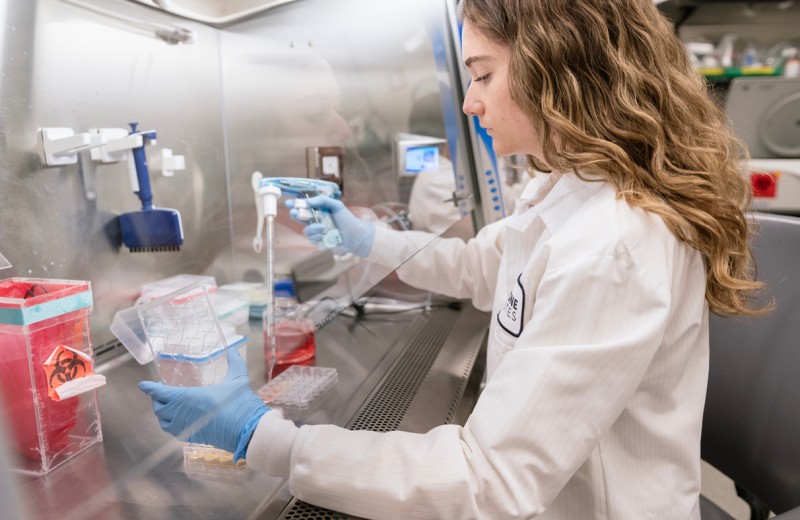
326 163
149 229
764 113
414 154
46 371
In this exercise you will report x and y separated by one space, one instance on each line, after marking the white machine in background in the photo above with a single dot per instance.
776 185
765 114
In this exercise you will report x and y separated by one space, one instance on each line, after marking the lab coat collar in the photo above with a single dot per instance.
555 198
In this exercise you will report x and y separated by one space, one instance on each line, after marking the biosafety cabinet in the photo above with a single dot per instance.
133 131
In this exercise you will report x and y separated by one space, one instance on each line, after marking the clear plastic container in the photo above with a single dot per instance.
198 369
45 345
294 334
185 337
188 344
231 306
127 327
258 295
154 290
208 463
201 454
298 386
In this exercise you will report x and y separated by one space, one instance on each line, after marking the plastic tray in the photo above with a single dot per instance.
298 386
182 326
202 454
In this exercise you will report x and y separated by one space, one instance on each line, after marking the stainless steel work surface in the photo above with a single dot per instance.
138 471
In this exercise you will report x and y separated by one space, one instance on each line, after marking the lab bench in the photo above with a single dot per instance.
409 371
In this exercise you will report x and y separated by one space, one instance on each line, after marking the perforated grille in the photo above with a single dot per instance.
384 409
302 511
451 412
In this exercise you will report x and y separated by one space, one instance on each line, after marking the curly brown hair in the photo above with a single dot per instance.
611 90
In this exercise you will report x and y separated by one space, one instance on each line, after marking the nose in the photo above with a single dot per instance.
472 106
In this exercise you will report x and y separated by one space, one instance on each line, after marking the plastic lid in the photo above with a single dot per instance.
128 330
284 288
154 290
227 303
24 301
182 322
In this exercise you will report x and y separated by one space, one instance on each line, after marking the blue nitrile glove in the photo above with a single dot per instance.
357 234
223 415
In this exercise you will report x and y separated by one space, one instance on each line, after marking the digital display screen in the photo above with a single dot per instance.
422 158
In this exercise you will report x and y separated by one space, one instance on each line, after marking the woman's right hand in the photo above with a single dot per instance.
357 234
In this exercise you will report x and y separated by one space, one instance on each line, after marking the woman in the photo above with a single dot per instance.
600 286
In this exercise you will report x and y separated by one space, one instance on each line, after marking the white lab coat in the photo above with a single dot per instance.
597 370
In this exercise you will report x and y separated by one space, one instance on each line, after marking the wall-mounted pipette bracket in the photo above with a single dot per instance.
120 146
119 141
171 163
60 146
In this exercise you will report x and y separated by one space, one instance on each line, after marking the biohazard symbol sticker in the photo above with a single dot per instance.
64 365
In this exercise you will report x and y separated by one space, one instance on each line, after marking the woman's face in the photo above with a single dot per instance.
489 98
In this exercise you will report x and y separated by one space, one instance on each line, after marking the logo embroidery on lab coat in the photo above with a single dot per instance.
510 316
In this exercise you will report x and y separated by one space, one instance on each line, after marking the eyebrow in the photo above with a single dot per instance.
472 59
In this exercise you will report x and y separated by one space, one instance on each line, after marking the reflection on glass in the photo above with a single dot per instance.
305 112
294 85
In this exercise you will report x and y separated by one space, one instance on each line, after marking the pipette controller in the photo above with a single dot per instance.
303 189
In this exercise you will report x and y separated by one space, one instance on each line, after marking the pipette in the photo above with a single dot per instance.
267 196
303 189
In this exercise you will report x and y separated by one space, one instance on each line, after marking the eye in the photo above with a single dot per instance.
482 78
